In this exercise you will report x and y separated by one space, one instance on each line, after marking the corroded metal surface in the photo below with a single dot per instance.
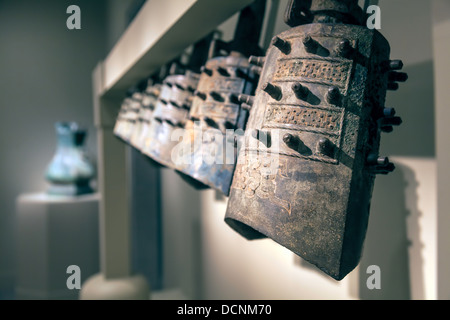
300 12
128 116
171 112
306 171
121 120
145 116
206 157
207 152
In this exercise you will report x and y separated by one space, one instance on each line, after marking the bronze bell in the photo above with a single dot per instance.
149 98
122 119
173 105
208 152
171 112
128 116
306 170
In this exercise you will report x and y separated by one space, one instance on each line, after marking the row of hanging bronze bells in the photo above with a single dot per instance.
295 134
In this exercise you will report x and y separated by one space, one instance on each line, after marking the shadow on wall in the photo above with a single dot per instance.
182 240
146 218
395 200
387 243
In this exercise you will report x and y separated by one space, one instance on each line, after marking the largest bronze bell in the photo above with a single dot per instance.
306 171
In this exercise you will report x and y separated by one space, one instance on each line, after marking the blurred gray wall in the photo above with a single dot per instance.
45 76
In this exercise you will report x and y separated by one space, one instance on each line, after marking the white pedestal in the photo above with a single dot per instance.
128 288
53 233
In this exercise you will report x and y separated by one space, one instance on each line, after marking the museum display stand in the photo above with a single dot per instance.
53 233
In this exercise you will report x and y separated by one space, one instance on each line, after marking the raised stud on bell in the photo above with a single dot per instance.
261 136
273 90
288 138
233 98
384 113
374 159
209 121
300 91
291 141
216 96
391 121
395 64
206 70
223 71
395 76
389 112
385 169
344 48
240 73
200 94
283 45
228 125
174 103
256 70
324 147
180 87
310 44
258 61
245 98
391 65
246 106
255 133
392 86
333 95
